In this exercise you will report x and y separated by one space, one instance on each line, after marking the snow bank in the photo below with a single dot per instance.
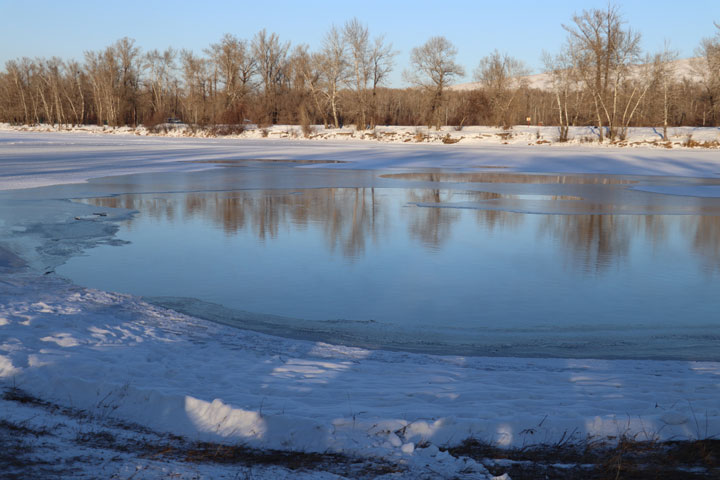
29 159
525 135
115 355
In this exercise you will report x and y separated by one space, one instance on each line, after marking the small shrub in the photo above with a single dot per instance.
563 134
264 132
307 130
449 140
159 128
224 130
690 143
157 118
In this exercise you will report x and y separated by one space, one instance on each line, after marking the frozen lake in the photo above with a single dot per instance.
486 263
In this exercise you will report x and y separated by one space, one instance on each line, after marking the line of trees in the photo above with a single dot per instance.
600 77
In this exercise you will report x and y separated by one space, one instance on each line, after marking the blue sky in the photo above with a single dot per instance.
521 28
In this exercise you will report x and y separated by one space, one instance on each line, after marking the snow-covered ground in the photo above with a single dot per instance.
535 135
115 356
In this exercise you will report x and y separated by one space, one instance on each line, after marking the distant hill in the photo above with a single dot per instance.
542 81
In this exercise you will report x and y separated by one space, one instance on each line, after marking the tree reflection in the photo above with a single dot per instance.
352 218
432 226
593 242
499 177
349 217
706 240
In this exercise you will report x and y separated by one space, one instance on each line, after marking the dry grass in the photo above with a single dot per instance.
225 130
447 139
24 453
23 456
19 448
690 143
628 459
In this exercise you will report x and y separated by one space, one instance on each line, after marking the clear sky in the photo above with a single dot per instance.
522 28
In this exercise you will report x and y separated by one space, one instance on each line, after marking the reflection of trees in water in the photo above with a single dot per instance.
348 216
499 177
431 226
492 219
654 226
706 240
594 242
362 223
155 207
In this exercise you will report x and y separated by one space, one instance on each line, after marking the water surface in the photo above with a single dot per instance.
473 264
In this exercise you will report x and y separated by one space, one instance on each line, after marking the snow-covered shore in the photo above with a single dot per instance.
526 135
116 355
35 159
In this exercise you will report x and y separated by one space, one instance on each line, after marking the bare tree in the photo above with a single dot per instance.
271 58
196 81
17 88
334 67
234 67
160 71
664 77
602 51
103 73
434 69
357 38
128 56
566 87
707 67
501 77
74 90
381 64
308 68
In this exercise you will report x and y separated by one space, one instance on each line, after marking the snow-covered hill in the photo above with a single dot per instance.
683 68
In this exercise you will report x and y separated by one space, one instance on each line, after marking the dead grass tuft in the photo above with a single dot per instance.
225 130
627 459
